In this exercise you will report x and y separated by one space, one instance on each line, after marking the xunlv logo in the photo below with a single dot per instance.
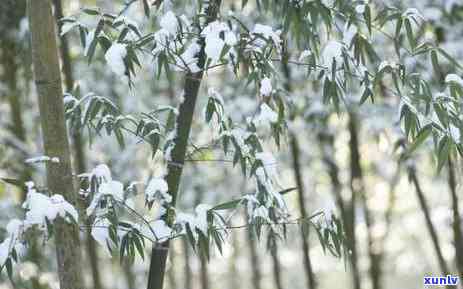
448 280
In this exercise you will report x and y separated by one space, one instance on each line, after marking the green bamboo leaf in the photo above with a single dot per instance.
146 8
409 31
227 205
435 62
91 11
444 147
420 138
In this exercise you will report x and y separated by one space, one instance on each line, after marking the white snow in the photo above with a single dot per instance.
454 78
102 173
413 13
197 221
213 49
360 9
161 230
332 52
265 86
41 208
188 60
14 227
101 234
69 98
349 33
214 43
88 41
125 20
68 26
201 217
4 251
261 212
267 114
213 93
157 190
269 162
268 33
169 22
304 54
240 136
115 58
110 188
42 159
455 133
161 38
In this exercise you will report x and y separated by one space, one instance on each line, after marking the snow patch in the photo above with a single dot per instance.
41 208
41 159
454 78
115 58
265 87
169 22
267 114
157 190
332 52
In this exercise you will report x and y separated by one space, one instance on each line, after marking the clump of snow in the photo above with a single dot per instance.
332 52
122 19
213 49
268 161
198 221
413 13
115 58
455 133
169 22
7 246
157 190
261 212
14 227
240 135
454 78
41 208
102 173
189 58
360 9
201 217
349 33
42 159
161 230
161 38
68 26
170 144
69 98
213 93
265 86
267 33
267 114
214 42
304 54
100 233
111 188
88 41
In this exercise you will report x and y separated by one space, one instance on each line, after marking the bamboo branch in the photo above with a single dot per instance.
427 216
175 167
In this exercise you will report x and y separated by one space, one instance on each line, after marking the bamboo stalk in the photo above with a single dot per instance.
175 167
59 175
